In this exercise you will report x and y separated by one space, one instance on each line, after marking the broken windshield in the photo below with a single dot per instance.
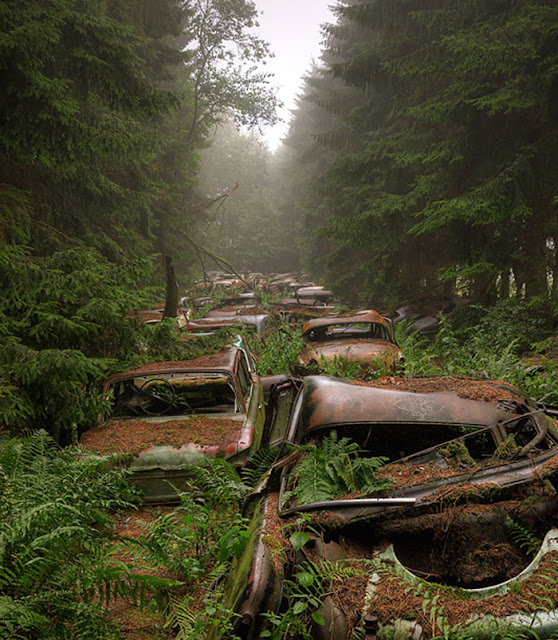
341 331
173 394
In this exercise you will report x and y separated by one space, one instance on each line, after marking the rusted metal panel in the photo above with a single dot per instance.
222 361
369 315
329 402
416 516
364 337
367 352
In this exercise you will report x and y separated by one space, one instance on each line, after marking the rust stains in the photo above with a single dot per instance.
223 360
362 316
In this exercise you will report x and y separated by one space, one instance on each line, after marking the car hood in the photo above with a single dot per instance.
167 442
354 350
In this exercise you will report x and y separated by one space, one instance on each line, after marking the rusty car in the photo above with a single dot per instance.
167 416
215 320
365 337
452 526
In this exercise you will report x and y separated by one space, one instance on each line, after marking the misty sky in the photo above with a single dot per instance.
292 28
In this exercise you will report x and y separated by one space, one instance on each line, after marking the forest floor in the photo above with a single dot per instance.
138 622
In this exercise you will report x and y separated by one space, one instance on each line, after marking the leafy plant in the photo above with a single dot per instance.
277 352
341 367
55 554
523 537
258 465
332 469
219 481
304 593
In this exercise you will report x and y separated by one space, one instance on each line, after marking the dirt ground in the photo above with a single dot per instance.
135 622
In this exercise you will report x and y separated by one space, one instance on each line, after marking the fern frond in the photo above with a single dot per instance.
181 617
334 468
523 537
219 481
258 465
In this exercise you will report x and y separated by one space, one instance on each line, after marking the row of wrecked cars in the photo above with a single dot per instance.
397 508
365 337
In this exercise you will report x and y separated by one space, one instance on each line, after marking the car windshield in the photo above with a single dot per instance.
173 394
345 462
342 331
392 441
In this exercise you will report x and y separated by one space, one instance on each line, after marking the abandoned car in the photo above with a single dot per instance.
364 337
394 514
167 416
216 320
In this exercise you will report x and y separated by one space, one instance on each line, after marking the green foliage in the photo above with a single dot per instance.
66 320
198 542
341 367
408 113
58 389
73 299
304 593
78 111
217 479
485 342
458 452
258 465
221 60
214 618
61 317
54 541
523 538
277 351
509 449
418 351
334 468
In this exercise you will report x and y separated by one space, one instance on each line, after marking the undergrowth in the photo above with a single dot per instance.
332 469
496 343
55 570
200 540
277 351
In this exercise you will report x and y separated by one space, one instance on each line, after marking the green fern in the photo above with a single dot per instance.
55 541
523 537
334 468
181 618
258 465
219 481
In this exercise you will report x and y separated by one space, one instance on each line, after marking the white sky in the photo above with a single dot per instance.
292 29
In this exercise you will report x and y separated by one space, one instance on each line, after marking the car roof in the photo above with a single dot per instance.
369 315
222 361
329 402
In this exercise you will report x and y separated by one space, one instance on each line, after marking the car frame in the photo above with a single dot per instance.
382 531
365 337
159 399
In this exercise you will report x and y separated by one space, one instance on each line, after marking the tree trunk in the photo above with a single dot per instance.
171 300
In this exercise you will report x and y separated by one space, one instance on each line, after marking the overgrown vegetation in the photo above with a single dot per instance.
278 350
331 469
417 158
509 341
421 159
55 571
67 321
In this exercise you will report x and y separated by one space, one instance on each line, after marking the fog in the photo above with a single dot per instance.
292 28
